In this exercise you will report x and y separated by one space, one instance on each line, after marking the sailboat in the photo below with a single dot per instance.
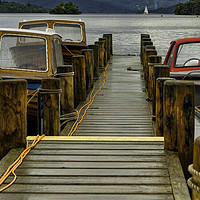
146 12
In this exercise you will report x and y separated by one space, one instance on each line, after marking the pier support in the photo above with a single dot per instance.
13 114
158 71
95 49
105 49
179 119
153 60
196 166
51 106
89 67
79 79
101 54
66 75
159 105
110 45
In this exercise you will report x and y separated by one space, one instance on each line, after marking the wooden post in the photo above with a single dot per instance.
51 106
159 105
110 43
158 71
101 54
105 50
144 43
179 119
89 67
153 59
141 45
109 37
96 59
13 114
142 36
66 76
196 166
79 79
148 52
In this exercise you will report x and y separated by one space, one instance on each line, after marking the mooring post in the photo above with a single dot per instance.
51 105
13 114
95 49
110 48
159 105
105 50
66 75
158 71
178 117
144 43
148 52
153 60
89 66
101 54
196 166
80 93
142 37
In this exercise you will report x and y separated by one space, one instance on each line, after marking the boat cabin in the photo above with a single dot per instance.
72 33
183 57
29 54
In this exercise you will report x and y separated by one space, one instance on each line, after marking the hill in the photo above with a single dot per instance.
107 6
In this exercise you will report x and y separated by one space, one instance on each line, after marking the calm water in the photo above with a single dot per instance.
126 29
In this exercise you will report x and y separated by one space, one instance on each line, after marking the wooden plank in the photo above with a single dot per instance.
179 185
34 196
102 152
96 165
93 172
96 146
7 160
114 139
84 180
90 189
96 158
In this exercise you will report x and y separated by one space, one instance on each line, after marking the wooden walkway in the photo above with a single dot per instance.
92 166
120 108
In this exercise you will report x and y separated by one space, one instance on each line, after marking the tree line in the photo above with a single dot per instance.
13 7
191 7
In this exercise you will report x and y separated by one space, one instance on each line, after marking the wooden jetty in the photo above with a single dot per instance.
113 155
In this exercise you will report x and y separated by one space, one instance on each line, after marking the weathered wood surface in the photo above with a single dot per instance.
120 108
84 169
102 167
51 106
13 115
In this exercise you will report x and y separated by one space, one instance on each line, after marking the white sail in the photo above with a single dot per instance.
146 12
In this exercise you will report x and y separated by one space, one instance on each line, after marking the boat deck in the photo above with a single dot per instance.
112 155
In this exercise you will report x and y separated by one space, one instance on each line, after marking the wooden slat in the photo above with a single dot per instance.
14 196
90 189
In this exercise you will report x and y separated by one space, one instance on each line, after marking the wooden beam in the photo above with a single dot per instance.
90 138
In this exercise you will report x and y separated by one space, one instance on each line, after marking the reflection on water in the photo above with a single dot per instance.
126 29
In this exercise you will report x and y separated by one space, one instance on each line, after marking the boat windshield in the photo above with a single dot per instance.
23 53
37 26
188 55
69 32
58 52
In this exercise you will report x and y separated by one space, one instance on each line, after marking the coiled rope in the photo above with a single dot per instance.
17 163
75 125
190 182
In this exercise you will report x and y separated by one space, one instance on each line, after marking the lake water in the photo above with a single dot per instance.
126 28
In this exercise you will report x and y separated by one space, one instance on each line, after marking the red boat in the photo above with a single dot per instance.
183 57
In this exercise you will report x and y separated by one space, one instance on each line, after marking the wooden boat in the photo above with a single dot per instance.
72 33
30 55
183 58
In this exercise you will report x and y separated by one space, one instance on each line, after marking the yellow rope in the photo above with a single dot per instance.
17 163
89 104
